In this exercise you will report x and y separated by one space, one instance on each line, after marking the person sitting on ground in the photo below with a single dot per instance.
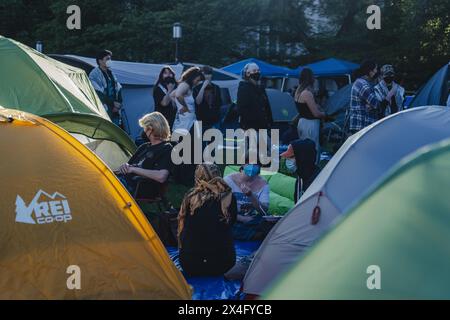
206 215
152 160
252 196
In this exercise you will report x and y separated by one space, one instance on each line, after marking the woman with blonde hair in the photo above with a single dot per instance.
152 160
207 214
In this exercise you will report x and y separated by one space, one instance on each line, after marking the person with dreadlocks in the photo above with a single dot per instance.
205 221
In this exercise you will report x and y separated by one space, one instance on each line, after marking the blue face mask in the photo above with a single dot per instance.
291 165
252 170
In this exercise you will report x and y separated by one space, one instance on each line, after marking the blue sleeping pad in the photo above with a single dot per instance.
216 288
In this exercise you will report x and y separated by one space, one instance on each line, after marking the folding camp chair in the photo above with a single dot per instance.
160 199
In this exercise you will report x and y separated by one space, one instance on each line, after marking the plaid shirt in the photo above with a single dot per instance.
364 105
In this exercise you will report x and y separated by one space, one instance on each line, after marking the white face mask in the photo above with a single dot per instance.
108 64
291 165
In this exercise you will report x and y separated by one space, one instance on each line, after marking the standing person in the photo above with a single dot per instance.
164 87
309 111
365 106
207 100
107 87
184 121
387 85
185 102
301 160
207 214
252 101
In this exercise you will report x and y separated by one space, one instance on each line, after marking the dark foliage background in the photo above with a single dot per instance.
414 37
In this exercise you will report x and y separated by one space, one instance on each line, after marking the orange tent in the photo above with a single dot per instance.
69 229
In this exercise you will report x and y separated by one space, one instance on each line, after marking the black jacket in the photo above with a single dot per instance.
209 114
253 107
207 240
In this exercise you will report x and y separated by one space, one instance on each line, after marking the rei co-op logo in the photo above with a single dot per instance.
43 209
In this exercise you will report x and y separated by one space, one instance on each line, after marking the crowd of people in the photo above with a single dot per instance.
218 210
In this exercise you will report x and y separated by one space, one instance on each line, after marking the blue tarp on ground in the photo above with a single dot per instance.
435 91
216 288
267 70
330 67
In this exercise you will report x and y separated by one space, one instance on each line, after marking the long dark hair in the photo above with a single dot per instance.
160 77
305 80
190 75
365 68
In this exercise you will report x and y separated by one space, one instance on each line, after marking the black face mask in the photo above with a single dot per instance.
169 80
255 76
389 80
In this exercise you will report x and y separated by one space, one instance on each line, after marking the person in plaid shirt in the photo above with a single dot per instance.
365 105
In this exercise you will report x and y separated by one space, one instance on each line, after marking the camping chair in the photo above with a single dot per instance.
160 199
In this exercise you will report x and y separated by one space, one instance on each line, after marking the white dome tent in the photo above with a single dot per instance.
359 164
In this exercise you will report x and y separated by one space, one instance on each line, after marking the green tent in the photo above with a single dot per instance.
402 227
35 83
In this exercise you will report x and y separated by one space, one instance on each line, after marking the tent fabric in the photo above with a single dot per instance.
62 207
339 101
267 70
435 91
282 105
133 73
363 159
35 83
402 227
330 67
42 85
138 80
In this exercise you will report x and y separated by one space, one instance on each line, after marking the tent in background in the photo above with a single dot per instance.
435 91
363 159
282 105
138 80
61 207
402 227
331 67
340 101
337 105
33 82
267 70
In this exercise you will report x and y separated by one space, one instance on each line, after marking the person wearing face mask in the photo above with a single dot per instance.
365 105
164 87
107 87
301 161
207 100
252 102
387 89
152 160
252 195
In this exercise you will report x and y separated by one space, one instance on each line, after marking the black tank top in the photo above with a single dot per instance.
304 111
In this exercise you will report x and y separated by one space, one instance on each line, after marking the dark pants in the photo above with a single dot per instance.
216 264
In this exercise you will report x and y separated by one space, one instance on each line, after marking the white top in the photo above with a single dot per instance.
244 202
184 122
